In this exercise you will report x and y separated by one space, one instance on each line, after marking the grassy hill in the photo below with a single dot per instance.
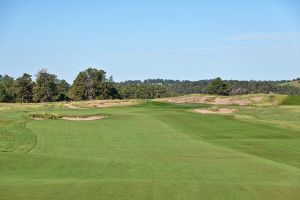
249 99
292 83
151 150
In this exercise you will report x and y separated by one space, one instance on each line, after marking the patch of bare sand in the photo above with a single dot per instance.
185 99
208 99
256 99
103 103
90 118
231 101
71 106
218 111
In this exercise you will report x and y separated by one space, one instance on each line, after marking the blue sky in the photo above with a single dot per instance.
258 39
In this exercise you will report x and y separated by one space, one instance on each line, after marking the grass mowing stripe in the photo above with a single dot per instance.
151 151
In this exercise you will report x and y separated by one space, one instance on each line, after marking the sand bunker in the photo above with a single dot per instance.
109 103
89 118
99 104
231 101
185 99
71 106
218 111
257 99
215 100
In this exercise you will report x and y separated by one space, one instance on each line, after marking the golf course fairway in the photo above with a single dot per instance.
151 150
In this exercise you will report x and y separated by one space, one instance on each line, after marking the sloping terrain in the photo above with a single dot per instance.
242 100
295 83
153 150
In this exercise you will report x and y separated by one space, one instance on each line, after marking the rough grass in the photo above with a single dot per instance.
153 150
248 99
292 83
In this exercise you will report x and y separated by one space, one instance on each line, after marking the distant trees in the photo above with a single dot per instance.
23 89
6 89
109 90
297 79
236 87
254 87
93 84
218 87
62 90
175 87
45 87
142 91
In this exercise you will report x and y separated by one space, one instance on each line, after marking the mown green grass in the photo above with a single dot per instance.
153 150
291 100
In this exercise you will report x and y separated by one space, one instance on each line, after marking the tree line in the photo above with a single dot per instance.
230 87
89 84
92 83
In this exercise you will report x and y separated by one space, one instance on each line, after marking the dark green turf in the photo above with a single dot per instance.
148 151
291 100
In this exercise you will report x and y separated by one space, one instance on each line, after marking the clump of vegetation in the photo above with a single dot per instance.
48 88
271 98
92 84
23 89
6 89
143 91
218 87
44 116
